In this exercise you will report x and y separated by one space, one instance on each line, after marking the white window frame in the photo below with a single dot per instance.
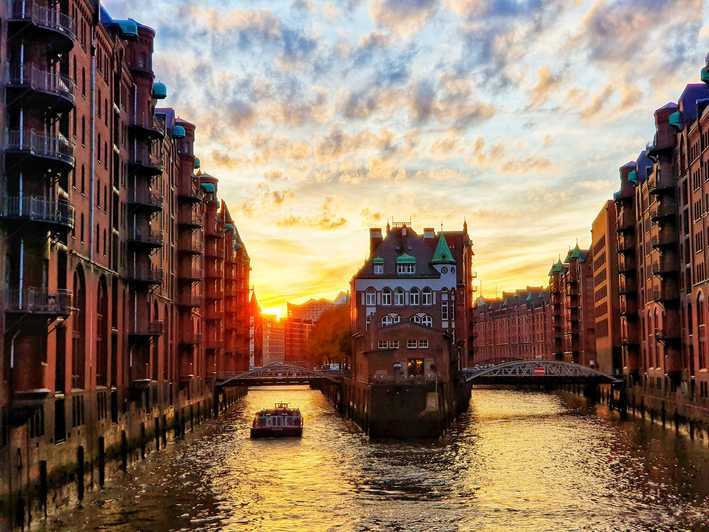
370 299
423 343
427 297
444 311
406 269
399 293
382 344
415 296
411 343
386 297
423 319
393 344
378 269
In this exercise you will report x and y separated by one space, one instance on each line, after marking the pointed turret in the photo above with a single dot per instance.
442 254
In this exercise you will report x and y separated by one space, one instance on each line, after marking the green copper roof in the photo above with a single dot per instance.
377 260
127 29
229 227
633 176
705 74
159 91
197 163
443 254
574 254
557 267
675 120
178 132
405 259
209 187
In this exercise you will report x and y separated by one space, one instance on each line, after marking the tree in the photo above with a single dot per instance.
329 339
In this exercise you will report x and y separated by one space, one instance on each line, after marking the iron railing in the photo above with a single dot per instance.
148 328
40 145
145 197
59 212
145 274
146 235
24 10
32 77
38 300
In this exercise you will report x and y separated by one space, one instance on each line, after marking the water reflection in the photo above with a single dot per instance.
516 460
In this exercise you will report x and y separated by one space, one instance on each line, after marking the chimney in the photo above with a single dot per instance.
375 238
429 233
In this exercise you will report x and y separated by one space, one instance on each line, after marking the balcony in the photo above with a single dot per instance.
31 150
664 266
626 242
626 285
188 271
665 292
189 300
144 274
35 21
626 263
662 236
145 200
189 218
190 337
662 209
144 162
659 182
213 292
628 305
33 87
189 192
214 270
39 302
147 329
625 220
146 126
56 214
146 238
190 244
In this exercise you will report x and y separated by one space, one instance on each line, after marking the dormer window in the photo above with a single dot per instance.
378 266
405 264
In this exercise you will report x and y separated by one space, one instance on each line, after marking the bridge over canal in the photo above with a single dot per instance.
536 372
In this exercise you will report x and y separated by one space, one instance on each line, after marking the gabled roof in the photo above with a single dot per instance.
442 254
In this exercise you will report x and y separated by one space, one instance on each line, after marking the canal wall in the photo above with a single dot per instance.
45 473
400 410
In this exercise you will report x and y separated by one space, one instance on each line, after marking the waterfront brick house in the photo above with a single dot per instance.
517 326
573 321
108 341
662 244
410 335
605 290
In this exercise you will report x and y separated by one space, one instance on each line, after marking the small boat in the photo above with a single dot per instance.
280 421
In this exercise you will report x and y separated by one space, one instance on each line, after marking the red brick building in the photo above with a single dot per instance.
516 326
410 310
113 300
573 320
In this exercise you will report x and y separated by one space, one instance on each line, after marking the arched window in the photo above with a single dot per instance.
370 298
427 296
422 319
78 336
386 296
415 296
399 297
658 333
156 341
701 331
390 319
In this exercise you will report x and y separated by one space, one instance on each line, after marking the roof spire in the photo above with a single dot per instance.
442 254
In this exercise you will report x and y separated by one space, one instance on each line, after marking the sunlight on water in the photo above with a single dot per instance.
516 460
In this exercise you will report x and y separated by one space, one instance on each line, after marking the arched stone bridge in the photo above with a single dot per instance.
542 372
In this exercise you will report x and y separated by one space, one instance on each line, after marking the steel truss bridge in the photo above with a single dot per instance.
281 373
541 372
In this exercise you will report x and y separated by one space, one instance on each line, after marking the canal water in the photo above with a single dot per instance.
516 460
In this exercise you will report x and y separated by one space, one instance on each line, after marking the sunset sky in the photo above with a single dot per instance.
322 119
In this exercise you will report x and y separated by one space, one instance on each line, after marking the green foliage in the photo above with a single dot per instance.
330 337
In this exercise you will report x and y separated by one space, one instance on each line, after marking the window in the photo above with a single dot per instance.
423 344
388 344
399 297
427 296
371 298
411 343
391 319
378 269
415 297
406 269
386 296
423 319
444 310
383 344
701 331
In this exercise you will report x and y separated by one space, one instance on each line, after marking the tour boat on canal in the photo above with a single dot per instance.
280 421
